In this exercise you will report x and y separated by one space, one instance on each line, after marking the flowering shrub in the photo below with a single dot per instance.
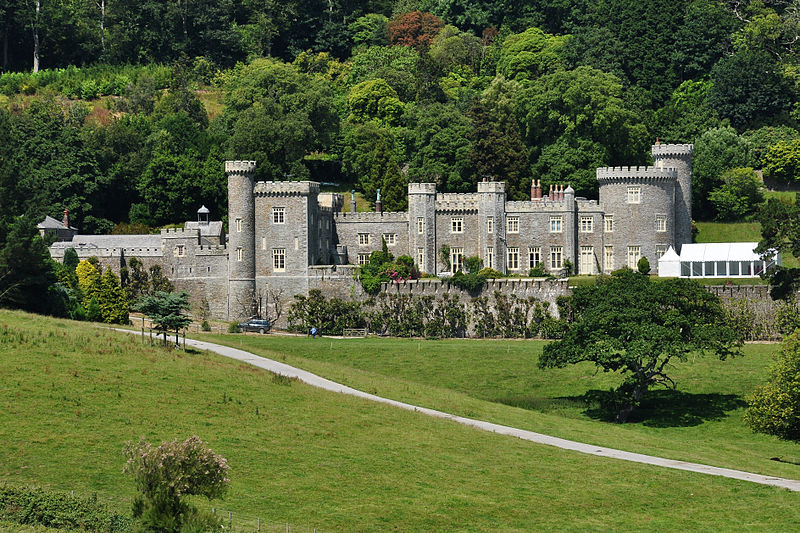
165 474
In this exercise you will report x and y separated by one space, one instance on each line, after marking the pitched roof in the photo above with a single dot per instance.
51 223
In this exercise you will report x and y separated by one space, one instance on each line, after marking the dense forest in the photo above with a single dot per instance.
123 111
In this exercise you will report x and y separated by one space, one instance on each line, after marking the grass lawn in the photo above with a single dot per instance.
736 232
71 395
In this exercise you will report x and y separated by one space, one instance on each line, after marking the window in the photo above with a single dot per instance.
390 238
239 225
661 223
180 250
534 256
555 224
556 257
420 225
296 243
634 195
239 253
363 259
421 257
661 249
457 259
363 239
512 258
512 224
587 224
608 258
490 257
279 215
634 254
586 264
608 223
263 243
457 225
489 224
279 259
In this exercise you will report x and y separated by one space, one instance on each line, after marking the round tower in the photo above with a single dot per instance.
679 157
241 239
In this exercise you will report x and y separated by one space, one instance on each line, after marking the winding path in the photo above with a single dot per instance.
317 381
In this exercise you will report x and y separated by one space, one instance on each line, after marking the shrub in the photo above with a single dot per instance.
233 327
643 266
775 408
205 326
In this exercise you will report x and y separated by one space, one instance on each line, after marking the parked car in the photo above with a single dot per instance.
254 324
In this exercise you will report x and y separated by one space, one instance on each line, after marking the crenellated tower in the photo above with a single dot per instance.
679 157
422 225
241 240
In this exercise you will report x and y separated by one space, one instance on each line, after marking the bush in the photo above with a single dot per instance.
233 327
775 408
58 510
643 266
538 271
205 326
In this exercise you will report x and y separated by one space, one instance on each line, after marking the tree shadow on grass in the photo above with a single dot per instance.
666 408
660 408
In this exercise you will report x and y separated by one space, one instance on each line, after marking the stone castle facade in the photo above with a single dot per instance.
285 238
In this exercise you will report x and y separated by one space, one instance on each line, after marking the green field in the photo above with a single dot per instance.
71 395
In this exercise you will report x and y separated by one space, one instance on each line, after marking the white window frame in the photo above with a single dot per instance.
279 215
633 256
364 239
556 223
457 225
490 257
587 224
238 225
180 250
239 253
363 258
390 238
279 259
457 259
556 257
534 256
608 223
586 261
421 257
420 225
608 258
512 224
512 258
661 223
489 224
634 194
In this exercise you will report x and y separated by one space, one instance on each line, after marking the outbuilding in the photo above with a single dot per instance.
715 260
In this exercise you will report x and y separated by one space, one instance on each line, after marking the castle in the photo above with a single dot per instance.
288 237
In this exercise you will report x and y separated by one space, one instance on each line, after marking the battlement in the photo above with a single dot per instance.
491 187
457 201
180 233
636 173
390 216
286 188
666 150
527 206
583 203
212 250
240 167
421 188
331 200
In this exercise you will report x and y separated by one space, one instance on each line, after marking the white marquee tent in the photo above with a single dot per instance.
714 260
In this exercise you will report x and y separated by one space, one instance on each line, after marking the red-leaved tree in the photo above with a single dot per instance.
415 29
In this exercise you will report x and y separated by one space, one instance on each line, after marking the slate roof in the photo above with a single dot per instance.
51 223
111 241
212 229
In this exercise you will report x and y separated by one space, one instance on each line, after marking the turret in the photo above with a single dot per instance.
679 156
241 239
422 225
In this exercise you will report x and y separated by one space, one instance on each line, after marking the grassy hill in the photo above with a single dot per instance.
71 395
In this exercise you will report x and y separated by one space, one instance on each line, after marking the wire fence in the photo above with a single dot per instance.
237 522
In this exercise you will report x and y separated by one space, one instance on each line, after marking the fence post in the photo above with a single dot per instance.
259 524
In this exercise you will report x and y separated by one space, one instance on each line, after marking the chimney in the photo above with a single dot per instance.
550 194
561 192
353 201
538 189
378 206
66 218
533 189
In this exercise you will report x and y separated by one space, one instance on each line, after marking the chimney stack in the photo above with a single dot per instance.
66 218
550 194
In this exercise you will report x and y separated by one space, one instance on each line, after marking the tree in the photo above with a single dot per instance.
166 474
370 30
26 270
774 408
780 232
415 29
531 54
374 100
749 87
113 299
626 323
782 161
165 309
716 151
739 195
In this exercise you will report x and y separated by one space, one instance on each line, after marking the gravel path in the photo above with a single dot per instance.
317 381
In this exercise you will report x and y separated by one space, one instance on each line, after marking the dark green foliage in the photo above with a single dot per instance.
782 161
716 151
780 231
331 316
643 266
473 279
384 268
27 273
38 507
775 407
749 87
626 323
165 309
